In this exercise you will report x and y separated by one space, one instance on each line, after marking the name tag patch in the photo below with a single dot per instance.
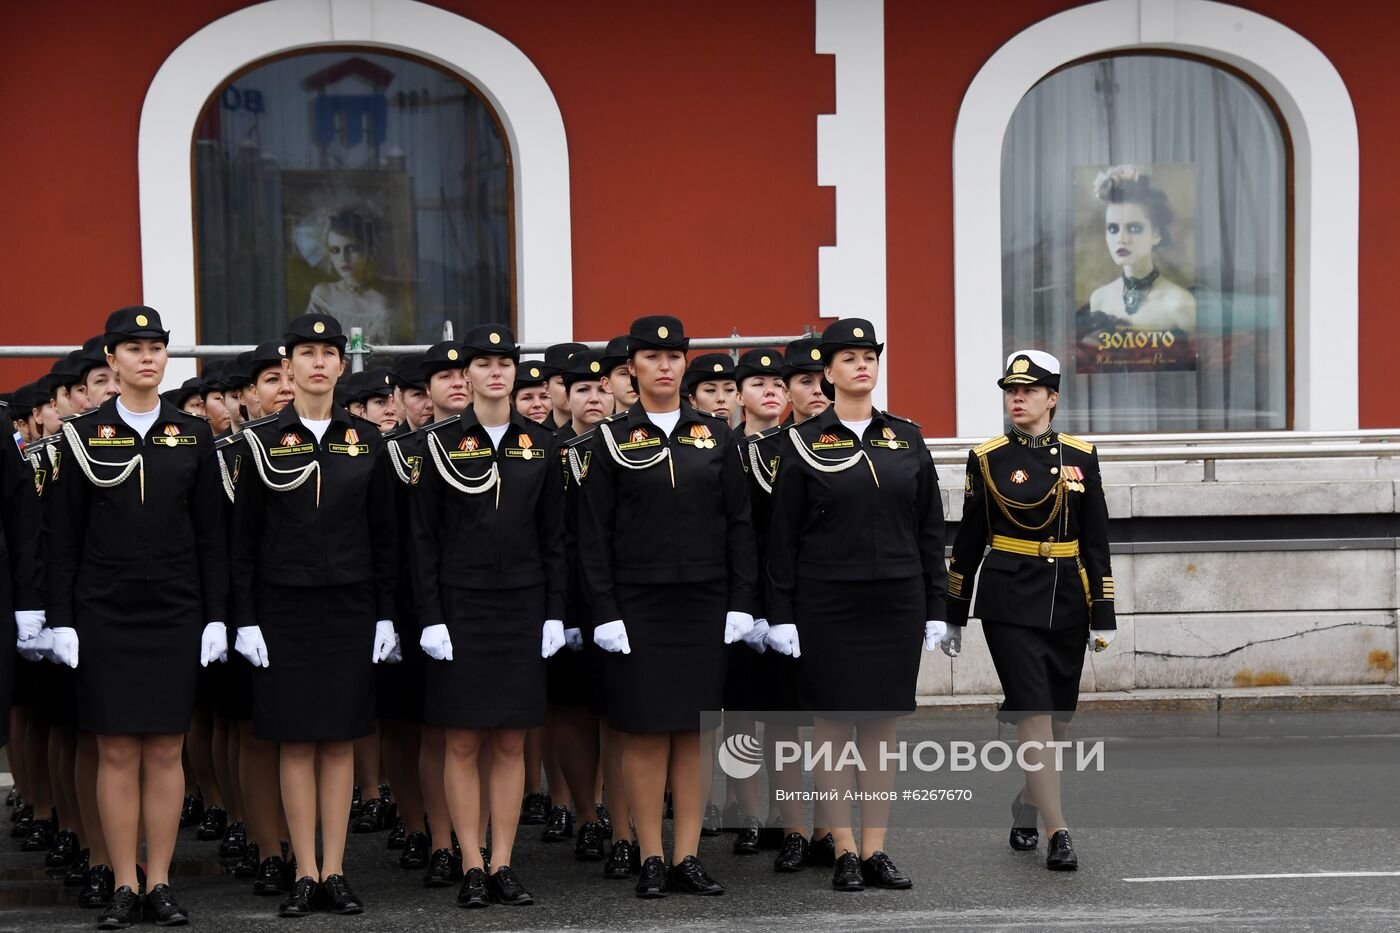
834 445
891 444
468 454
353 450
646 442
175 440
111 442
524 453
289 451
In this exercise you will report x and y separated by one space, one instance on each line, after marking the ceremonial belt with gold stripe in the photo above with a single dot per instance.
1035 548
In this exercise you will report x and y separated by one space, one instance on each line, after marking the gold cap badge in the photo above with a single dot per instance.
663 331
281 351
534 372
858 331
495 337
765 360
142 320
451 354
319 327
1021 365
594 367
719 367
816 354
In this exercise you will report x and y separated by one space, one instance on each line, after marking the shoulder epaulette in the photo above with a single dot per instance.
892 416
429 428
357 421
712 415
43 442
403 431
256 422
771 432
1078 443
80 414
982 450
614 416
236 436
577 439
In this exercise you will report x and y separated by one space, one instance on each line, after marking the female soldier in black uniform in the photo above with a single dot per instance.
136 574
489 563
668 561
314 556
855 557
1047 585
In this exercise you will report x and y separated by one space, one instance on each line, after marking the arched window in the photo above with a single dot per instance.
1145 241
369 185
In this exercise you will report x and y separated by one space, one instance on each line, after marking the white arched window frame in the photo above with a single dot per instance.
502 73
1315 105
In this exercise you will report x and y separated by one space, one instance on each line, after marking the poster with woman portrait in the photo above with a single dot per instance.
1135 268
350 251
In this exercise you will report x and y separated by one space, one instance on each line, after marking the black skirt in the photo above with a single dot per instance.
399 687
319 682
861 642
58 694
777 689
139 654
496 679
231 685
572 677
1039 668
676 667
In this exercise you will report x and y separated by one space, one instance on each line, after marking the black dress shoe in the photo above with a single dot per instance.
1024 835
415 852
97 888
192 811
213 826
1060 855
21 821
560 825
76 876
235 841
247 866
746 843
302 901
397 836
124 910
64 851
604 820
712 823
503 887
793 854
338 898
162 908
442 870
40 838
846 876
271 877
356 802
534 810
879 871
621 859
652 882
372 816
589 847
689 877
821 853
472 893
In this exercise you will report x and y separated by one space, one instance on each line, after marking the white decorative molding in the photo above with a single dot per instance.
511 83
851 158
1318 111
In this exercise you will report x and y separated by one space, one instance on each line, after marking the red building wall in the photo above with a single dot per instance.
692 139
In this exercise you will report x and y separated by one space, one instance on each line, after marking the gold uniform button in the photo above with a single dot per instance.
1054 469
1054 450
319 327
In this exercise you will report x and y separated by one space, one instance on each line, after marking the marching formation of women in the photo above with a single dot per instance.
467 593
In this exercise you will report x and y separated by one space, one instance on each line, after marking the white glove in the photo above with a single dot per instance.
436 642
783 639
1101 638
736 626
952 641
384 636
552 638
65 646
33 649
28 623
934 632
396 655
248 641
573 638
757 638
213 644
612 636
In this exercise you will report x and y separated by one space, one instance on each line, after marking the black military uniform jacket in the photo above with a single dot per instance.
575 458
658 509
855 508
403 451
759 456
485 518
21 535
142 508
1038 503
310 513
